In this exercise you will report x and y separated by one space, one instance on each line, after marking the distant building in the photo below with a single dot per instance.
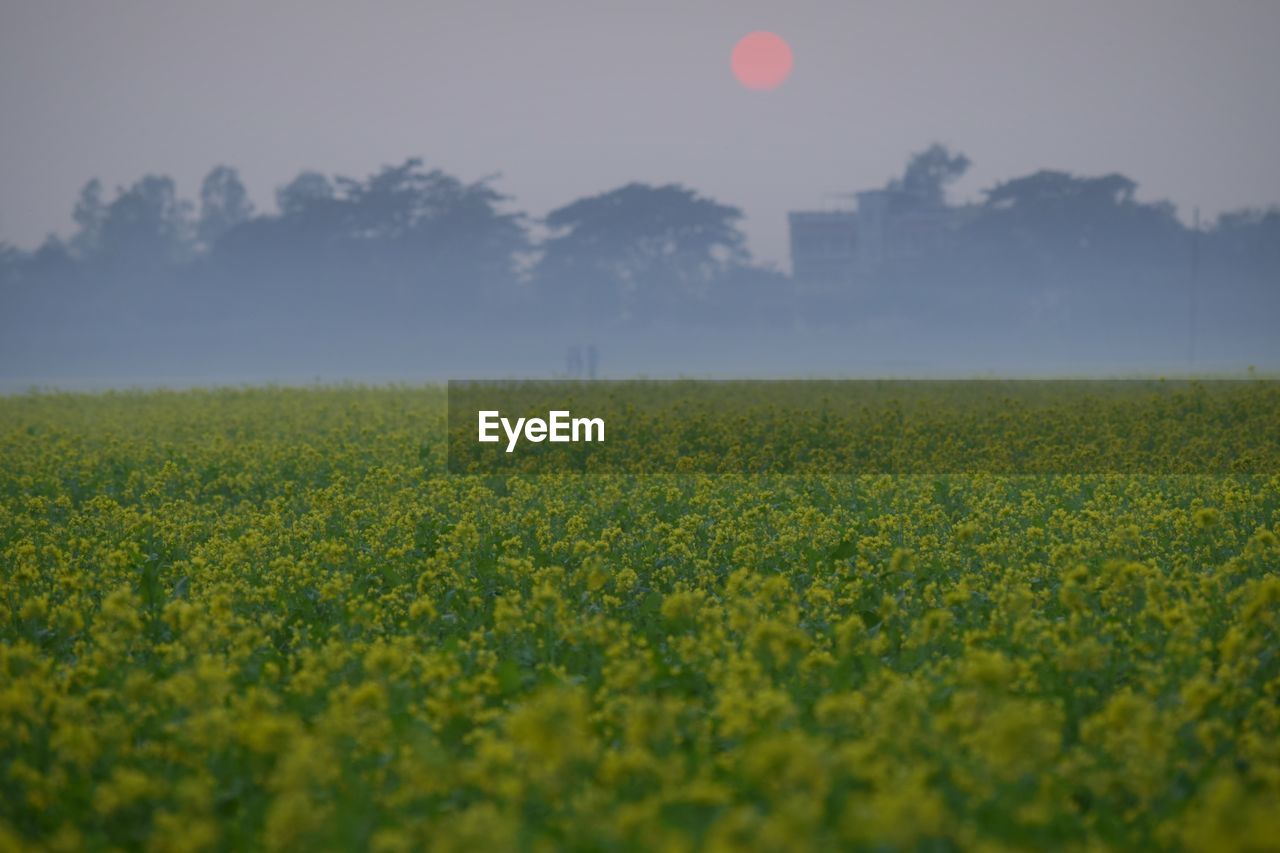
824 248
831 250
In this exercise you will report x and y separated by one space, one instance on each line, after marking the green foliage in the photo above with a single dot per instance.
267 618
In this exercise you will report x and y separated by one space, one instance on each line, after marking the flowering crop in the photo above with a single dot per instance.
268 618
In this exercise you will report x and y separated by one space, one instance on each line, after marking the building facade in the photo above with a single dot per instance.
831 250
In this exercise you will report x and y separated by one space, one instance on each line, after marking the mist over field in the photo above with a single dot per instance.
564 192
411 274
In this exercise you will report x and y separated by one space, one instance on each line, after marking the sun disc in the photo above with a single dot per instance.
761 60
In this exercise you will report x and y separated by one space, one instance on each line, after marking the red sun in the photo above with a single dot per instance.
761 60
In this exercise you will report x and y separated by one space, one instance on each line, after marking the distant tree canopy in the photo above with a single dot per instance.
402 227
639 250
145 229
308 191
224 204
928 173
418 245
1247 241
1060 217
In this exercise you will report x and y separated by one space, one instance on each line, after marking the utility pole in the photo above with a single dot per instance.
1191 290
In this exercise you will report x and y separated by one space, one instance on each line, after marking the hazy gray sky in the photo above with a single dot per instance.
570 98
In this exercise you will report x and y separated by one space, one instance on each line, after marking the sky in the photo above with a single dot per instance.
570 98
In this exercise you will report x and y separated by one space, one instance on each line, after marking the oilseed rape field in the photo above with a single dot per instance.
272 619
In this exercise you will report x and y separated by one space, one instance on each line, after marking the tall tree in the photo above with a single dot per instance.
146 227
638 250
430 227
304 192
404 229
928 173
224 204
1073 221
89 215
10 263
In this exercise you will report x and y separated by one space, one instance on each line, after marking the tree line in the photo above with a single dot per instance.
417 245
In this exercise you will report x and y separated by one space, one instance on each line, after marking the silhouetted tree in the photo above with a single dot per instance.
312 220
638 250
10 265
145 228
928 174
89 215
304 192
224 204
52 262
38 289
419 235
1247 241
1079 224
431 226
